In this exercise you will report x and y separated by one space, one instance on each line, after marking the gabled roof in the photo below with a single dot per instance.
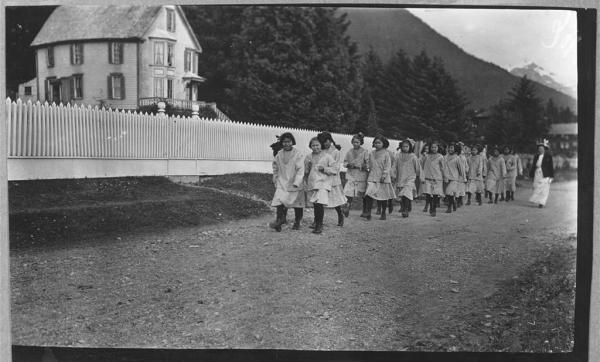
563 129
85 22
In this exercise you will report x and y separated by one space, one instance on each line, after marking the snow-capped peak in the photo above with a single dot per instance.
543 76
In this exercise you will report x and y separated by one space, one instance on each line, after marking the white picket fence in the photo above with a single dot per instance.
58 141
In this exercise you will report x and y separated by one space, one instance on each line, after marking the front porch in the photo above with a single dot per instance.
182 107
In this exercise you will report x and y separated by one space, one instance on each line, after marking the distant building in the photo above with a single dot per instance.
28 90
117 56
563 139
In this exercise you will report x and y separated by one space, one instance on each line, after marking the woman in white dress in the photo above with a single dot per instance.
542 173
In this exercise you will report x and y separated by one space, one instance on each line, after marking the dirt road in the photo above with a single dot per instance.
368 285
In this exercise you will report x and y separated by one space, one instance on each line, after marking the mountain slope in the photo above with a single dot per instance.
484 83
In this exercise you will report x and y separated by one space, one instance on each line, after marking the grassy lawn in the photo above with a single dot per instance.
59 211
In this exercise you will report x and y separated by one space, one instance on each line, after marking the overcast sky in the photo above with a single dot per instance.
512 38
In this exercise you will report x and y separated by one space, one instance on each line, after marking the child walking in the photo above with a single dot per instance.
433 173
288 177
379 183
453 175
511 173
495 176
405 172
336 198
319 169
465 151
356 175
475 175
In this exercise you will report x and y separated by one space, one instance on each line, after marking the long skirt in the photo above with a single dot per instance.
407 190
433 187
336 197
541 188
462 188
511 183
493 185
452 188
475 186
319 196
355 188
380 191
289 199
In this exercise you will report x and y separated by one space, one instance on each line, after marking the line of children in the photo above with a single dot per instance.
382 174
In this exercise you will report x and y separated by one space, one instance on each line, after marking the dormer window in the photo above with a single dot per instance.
50 57
77 53
171 20
115 53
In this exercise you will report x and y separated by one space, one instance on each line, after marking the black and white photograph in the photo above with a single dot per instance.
310 177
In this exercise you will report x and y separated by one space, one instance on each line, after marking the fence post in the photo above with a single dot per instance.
195 111
161 108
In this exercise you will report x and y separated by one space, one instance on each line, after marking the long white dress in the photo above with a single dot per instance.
541 184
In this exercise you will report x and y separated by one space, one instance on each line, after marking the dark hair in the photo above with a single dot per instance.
383 140
324 136
505 147
410 145
289 136
359 136
276 146
314 139
437 143
457 148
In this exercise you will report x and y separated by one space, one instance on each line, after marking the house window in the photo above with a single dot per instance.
171 20
170 88
27 91
77 53
159 90
116 86
50 57
159 53
188 60
115 53
76 86
170 60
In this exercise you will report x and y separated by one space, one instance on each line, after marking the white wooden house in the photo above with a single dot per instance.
118 56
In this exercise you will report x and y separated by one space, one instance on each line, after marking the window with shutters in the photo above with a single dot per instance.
77 86
170 88
50 57
188 60
159 89
159 53
171 20
115 53
116 86
77 53
170 54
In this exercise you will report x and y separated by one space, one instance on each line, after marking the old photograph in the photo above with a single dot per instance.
352 178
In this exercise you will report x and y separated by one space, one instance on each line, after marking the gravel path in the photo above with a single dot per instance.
368 285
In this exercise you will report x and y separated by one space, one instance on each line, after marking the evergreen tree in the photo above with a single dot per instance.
294 66
394 96
372 71
519 119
